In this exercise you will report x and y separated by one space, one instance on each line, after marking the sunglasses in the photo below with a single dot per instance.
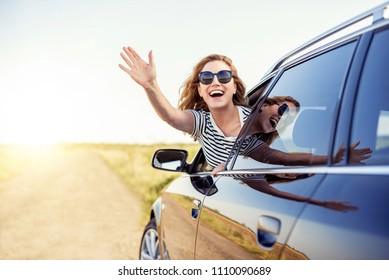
223 76
281 111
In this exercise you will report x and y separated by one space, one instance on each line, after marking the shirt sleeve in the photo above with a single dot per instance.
199 123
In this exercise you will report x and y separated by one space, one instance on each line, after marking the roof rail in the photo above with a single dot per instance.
376 13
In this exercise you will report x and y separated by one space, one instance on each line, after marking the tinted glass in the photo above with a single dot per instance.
371 120
316 85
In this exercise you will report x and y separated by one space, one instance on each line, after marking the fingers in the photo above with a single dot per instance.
342 206
133 53
128 57
215 171
130 53
218 168
131 58
151 58
366 151
355 144
125 69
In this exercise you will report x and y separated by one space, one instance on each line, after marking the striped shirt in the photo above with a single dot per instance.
216 146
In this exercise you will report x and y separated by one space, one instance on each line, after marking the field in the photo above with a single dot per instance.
131 163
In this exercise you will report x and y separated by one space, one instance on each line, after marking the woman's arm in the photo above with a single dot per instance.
145 75
264 153
264 187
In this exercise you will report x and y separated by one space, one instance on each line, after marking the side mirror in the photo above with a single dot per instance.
170 160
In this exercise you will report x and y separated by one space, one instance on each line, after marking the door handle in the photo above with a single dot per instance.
267 231
196 208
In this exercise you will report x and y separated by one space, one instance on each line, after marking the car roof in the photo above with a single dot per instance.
371 19
352 28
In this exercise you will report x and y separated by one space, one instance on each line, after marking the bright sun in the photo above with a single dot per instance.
32 110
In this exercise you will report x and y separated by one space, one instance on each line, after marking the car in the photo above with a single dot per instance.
335 210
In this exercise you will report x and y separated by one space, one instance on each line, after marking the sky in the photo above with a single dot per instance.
59 75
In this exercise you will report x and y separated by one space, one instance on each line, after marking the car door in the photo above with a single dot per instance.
178 222
257 204
364 232
181 204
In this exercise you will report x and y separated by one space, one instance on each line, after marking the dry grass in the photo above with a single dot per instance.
132 163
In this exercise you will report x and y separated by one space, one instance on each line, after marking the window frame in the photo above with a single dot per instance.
270 81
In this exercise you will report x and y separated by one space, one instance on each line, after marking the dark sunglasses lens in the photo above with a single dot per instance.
282 109
206 78
224 76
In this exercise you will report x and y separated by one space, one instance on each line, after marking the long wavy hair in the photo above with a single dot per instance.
268 138
189 95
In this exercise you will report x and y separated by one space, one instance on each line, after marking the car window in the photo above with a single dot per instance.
371 116
316 86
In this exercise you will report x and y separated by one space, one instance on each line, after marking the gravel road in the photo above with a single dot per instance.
69 208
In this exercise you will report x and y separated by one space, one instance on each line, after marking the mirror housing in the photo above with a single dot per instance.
170 160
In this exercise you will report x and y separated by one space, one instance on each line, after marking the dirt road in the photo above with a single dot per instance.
71 208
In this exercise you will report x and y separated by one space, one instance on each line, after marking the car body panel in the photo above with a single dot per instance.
246 208
362 233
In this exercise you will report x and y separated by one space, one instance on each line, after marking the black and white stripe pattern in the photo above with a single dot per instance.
216 146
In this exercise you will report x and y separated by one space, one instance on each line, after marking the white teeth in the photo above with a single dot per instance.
216 92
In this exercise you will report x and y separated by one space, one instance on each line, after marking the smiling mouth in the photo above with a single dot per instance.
216 93
273 122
